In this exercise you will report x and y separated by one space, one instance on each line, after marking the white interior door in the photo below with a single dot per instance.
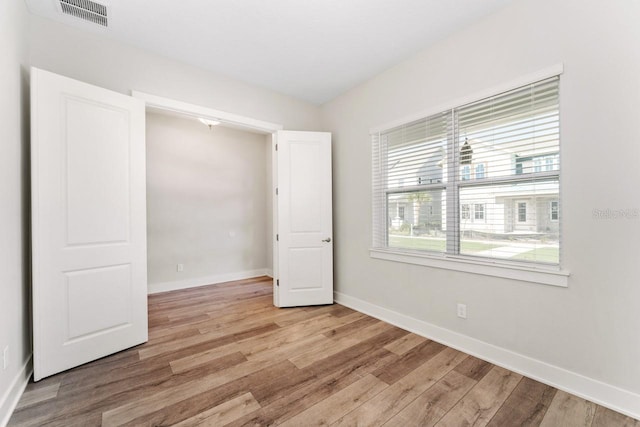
303 262
88 222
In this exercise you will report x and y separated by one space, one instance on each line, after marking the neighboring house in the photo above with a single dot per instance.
505 210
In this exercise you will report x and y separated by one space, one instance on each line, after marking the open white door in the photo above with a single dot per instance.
303 264
88 222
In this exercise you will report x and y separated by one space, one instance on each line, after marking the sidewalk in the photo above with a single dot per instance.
504 251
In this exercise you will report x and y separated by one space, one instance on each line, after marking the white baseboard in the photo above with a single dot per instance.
12 395
612 397
155 288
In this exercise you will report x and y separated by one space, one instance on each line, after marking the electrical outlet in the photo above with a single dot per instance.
180 268
462 311
5 358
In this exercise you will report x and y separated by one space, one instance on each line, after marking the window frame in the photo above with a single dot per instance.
520 211
468 212
549 163
557 210
465 173
549 274
401 212
537 165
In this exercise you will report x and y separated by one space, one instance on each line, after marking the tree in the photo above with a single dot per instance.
417 199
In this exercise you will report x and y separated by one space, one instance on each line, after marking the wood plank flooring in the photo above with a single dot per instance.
223 355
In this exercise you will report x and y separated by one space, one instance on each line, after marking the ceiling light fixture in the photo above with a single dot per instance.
210 123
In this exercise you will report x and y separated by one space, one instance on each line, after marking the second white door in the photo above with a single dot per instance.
303 261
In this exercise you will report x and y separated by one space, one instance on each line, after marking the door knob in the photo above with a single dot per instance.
328 240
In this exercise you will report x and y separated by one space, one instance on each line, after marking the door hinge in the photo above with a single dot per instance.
277 237
277 282
276 147
276 191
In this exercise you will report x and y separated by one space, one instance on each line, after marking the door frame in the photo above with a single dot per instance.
159 103
198 111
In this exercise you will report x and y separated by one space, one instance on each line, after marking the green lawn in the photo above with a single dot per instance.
476 246
403 242
550 255
438 245
547 254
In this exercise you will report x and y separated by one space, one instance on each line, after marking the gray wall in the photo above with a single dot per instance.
14 194
206 201
592 327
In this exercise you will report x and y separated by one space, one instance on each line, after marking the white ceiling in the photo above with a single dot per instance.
313 50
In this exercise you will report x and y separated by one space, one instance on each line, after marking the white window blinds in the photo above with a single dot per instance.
479 180
410 172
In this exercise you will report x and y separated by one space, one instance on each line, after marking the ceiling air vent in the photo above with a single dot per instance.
85 9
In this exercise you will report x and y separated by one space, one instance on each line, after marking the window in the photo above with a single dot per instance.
550 163
401 212
537 165
553 209
522 212
474 179
465 212
465 174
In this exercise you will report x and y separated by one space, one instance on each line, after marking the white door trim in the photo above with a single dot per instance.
274 200
167 104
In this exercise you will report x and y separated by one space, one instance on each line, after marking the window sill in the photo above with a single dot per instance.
542 275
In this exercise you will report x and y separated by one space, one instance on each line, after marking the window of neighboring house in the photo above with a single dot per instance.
430 166
549 163
465 212
519 167
401 212
553 209
522 211
465 174
537 165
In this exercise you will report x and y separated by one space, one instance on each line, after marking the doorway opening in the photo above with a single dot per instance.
209 204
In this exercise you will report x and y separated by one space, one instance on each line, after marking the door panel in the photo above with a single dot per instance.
304 219
307 272
305 173
97 208
98 300
88 223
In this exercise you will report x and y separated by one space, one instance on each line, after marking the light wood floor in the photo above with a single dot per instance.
223 354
